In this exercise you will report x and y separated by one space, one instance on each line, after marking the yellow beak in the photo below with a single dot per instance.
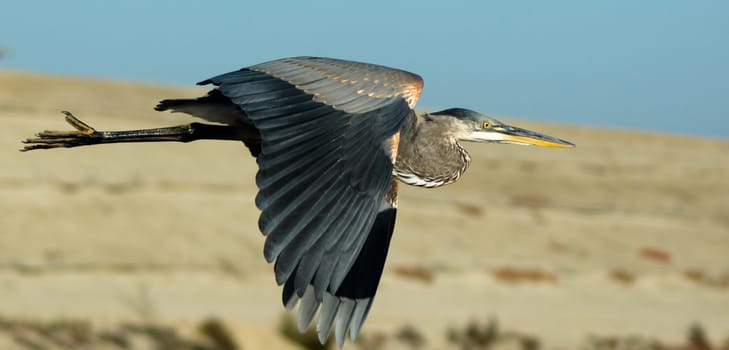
512 134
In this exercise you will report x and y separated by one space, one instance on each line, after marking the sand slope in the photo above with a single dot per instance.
626 234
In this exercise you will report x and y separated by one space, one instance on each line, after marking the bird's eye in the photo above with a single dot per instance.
486 125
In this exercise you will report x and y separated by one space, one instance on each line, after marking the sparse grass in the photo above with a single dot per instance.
703 278
696 339
558 247
405 337
475 336
372 341
631 342
656 254
534 202
230 268
213 334
472 210
74 334
511 274
218 333
411 336
47 335
695 275
307 340
417 272
68 187
622 276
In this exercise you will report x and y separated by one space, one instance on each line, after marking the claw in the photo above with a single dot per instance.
54 139
78 124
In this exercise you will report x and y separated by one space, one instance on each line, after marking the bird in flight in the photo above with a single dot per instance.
332 139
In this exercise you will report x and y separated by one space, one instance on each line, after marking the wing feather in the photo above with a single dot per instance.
357 291
374 81
307 309
328 311
344 316
283 228
298 245
289 96
311 262
326 190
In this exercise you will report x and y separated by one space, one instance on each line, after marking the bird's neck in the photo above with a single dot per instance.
428 156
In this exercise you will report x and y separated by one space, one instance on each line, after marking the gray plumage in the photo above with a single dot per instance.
428 154
324 167
331 138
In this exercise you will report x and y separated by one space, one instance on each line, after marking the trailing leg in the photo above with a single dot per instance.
86 135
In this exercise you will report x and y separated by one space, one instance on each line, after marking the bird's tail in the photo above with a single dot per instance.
216 108
212 107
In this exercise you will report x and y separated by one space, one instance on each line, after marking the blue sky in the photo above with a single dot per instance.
651 65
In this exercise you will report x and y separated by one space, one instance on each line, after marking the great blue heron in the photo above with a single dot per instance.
331 138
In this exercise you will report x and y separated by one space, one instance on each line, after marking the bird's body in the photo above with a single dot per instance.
331 139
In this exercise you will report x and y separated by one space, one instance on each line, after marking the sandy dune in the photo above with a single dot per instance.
626 234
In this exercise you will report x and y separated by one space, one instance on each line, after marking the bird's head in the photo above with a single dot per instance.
468 125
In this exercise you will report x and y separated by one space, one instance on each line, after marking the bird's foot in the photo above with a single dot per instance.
85 135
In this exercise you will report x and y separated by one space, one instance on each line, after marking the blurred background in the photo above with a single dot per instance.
619 242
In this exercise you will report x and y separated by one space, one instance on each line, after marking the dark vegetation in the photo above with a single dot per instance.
213 334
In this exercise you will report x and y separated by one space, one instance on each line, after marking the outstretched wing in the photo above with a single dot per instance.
329 131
